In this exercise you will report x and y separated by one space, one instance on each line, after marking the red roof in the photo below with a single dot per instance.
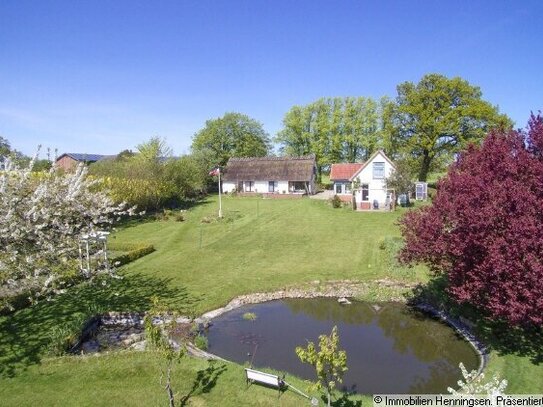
344 171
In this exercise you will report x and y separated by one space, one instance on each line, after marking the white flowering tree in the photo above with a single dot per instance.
474 384
42 217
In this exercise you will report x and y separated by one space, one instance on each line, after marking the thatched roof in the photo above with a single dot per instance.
270 169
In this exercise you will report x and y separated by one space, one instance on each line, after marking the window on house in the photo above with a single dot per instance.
249 186
348 188
378 170
339 188
272 186
365 192
296 186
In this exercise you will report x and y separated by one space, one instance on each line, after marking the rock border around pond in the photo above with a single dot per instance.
332 290
349 289
337 289
462 329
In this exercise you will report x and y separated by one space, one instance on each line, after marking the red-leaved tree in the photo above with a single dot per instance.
484 229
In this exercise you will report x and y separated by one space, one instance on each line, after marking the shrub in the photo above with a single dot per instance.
134 252
201 342
62 338
336 202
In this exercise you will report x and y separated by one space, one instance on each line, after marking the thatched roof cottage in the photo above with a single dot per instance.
270 175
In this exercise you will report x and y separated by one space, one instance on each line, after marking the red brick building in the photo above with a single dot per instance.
68 161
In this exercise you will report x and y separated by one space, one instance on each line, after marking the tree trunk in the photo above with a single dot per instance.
169 386
329 396
425 165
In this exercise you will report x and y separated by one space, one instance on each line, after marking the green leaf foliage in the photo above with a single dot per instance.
157 339
401 180
134 252
438 117
336 129
233 135
329 362
152 179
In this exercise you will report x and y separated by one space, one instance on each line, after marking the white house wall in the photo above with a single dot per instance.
282 186
228 187
377 189
260 187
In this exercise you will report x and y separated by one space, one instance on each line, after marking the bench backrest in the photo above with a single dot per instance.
262 377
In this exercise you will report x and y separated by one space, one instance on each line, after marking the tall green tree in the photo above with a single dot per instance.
351 135
439 116
233 135
335 152
295 138
15 156
387 131
5 147
334 129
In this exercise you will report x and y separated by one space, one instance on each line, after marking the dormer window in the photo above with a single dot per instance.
378 170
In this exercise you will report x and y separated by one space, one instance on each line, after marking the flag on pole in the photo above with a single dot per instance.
214 172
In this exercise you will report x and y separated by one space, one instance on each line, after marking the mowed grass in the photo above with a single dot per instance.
264 245
260 245
133 379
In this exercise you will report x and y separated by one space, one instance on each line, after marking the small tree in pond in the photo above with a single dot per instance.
329 362
484 230
157 339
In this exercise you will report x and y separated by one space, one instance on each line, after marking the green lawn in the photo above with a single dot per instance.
261 245
132 379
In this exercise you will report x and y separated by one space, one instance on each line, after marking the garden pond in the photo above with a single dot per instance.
390 347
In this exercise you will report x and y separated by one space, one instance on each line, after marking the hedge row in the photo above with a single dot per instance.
133 252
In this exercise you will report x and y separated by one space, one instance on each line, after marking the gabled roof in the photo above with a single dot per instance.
83 157
270 168
372 157
343 171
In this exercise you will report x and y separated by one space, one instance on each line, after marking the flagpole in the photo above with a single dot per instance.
220 198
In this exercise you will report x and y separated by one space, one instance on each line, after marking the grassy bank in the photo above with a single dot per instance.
264 245
201 264
133 378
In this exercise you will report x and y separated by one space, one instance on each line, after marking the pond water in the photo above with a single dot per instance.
390 348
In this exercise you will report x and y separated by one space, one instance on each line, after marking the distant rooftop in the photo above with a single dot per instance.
84 156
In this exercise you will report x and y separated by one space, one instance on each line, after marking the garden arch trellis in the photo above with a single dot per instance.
99 239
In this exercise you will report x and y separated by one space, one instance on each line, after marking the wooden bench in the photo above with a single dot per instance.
267 379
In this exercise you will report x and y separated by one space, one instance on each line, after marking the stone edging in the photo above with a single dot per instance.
346 289
335 290
462 329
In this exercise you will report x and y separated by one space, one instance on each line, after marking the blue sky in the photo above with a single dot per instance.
102 76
